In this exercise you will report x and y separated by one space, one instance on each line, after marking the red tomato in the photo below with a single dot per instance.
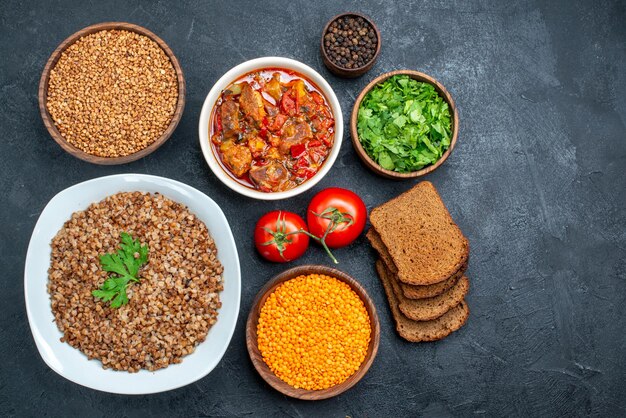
297 150
218 128
278 122
277 236
325 124
302 162
324 137
317 98
340 212
288 105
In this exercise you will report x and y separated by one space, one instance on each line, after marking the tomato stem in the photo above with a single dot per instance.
336 218
321 241
330 254
279 237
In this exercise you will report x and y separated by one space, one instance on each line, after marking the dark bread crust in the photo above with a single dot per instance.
374 238
420 331
412 291
425 244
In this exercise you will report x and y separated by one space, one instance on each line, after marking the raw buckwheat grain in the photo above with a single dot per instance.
112 93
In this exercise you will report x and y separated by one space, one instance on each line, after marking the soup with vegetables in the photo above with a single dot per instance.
272 129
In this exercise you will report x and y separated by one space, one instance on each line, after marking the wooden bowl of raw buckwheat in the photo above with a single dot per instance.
112 93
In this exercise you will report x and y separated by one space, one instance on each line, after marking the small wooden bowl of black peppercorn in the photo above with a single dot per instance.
350 44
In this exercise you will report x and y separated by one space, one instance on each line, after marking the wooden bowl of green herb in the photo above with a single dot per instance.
404 124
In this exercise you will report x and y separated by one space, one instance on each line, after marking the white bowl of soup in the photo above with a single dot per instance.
271 128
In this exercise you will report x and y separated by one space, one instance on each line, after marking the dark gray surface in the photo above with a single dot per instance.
537 182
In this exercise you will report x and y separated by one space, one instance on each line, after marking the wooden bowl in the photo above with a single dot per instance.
350 72
257 358
43 95
374 166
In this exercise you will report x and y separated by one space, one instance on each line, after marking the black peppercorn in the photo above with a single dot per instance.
350 42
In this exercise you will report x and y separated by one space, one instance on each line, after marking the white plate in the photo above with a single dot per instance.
245 68
72 363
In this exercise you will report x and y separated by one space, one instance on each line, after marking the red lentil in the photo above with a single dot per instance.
313 332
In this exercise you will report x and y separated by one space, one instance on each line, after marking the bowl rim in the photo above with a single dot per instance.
373 165
40 317
54 58
244 68
365 67
252 322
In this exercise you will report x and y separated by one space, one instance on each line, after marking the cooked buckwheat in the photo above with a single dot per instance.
170 310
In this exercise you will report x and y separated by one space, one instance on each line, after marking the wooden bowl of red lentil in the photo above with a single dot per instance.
252 331
117 143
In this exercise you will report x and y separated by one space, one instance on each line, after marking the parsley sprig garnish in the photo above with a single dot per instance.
124 266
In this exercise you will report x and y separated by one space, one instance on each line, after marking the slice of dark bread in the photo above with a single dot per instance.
418 331
430 308
409 290
425 244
